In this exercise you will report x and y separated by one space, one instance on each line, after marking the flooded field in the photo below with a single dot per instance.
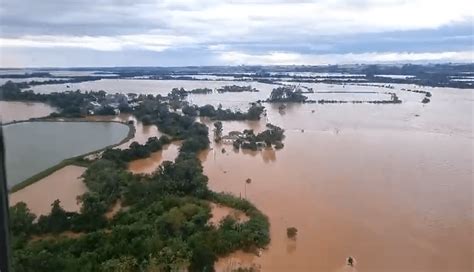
390 185
409 210
140 86
64 184
32 147
17 111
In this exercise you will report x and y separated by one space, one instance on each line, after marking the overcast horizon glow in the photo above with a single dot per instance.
57 33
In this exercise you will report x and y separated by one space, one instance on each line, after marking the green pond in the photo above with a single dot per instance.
32 147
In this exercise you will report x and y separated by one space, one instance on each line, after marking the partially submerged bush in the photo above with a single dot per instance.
291 232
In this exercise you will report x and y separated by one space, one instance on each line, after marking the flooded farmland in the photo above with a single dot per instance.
390 185
139 86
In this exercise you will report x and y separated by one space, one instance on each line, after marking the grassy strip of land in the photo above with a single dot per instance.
77 160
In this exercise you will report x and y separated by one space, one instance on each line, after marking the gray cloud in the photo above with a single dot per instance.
86 17
211 28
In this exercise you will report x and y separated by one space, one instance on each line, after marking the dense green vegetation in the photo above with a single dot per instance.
201 91
253 113
54 80
76 79
286 94
164 226
236 89
70 104
136 150
77 104
273 135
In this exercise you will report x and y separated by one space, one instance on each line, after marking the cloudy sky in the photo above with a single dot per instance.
69 33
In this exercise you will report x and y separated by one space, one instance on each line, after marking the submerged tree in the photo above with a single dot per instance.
218 131
291 232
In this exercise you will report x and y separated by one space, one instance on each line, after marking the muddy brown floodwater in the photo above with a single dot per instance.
142 132
390 185
17 111
64 184
150 164
392 189
219 212
382 197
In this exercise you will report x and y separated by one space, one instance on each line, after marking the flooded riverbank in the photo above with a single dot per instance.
65 184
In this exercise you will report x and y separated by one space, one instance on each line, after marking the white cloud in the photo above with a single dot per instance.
285 58
260 19
102 43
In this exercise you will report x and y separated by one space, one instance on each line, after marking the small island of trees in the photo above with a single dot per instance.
286 94
272 136
236 89
253 113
